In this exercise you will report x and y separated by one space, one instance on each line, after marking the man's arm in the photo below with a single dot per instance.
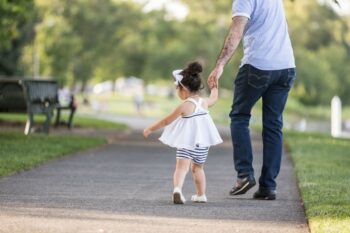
232 41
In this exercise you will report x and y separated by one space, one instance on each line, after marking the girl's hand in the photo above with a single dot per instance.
146 132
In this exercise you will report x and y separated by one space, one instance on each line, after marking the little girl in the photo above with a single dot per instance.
190 129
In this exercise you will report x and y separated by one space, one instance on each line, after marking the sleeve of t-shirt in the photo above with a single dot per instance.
242 8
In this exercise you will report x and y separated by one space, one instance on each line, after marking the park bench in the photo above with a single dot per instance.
32 97
70 106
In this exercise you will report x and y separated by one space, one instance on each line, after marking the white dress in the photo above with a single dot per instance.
193 131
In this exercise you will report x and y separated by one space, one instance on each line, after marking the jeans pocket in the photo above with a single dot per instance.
242 74
290 78
258 78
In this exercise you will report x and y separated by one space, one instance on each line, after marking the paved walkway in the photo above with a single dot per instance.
126 186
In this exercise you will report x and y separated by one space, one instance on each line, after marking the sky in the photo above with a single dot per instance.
175 8
342 9
179 11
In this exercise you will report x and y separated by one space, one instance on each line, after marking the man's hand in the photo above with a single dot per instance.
214 76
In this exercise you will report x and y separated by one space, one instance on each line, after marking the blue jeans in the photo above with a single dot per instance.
273 87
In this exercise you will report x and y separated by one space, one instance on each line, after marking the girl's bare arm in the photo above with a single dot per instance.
214 95
163 122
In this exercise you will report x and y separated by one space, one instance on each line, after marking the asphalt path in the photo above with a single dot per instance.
126 186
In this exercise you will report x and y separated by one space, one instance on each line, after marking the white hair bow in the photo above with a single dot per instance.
178 77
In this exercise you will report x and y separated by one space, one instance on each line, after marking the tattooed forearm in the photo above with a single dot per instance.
228 49
232 40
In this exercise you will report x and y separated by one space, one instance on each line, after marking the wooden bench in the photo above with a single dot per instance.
71 107
32 97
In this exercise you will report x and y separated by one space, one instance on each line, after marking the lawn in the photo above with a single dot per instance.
157 106
19 152
322 166
78 121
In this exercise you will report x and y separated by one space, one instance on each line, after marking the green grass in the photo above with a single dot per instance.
87 122
78 121
158 106
19 152
154 106
322 166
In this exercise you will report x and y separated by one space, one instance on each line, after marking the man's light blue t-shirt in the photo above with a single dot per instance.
266 39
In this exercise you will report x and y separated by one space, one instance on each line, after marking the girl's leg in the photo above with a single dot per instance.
182 167
199 178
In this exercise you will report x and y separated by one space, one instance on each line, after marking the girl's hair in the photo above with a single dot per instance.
191 78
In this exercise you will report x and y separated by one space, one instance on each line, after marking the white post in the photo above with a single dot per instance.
336 117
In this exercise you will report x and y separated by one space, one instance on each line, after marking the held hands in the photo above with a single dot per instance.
214 76
146 132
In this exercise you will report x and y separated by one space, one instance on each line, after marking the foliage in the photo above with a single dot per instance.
89 41
15 31
321 165
317 34
314 74
78 121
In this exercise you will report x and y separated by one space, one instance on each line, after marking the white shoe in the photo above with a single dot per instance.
199 199
178 198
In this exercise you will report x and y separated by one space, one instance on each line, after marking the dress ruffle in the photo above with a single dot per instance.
196 130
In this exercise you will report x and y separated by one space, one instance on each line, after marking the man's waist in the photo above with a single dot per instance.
269 64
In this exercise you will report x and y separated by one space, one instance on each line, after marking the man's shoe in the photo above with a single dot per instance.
242 186
265 194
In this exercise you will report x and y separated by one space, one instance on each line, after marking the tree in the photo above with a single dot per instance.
16 30
83 41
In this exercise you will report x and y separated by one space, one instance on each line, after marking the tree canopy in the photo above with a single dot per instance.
82 41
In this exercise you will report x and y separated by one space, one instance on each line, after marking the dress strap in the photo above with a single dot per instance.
198 103
192 101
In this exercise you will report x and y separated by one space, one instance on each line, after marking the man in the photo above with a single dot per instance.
267 71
